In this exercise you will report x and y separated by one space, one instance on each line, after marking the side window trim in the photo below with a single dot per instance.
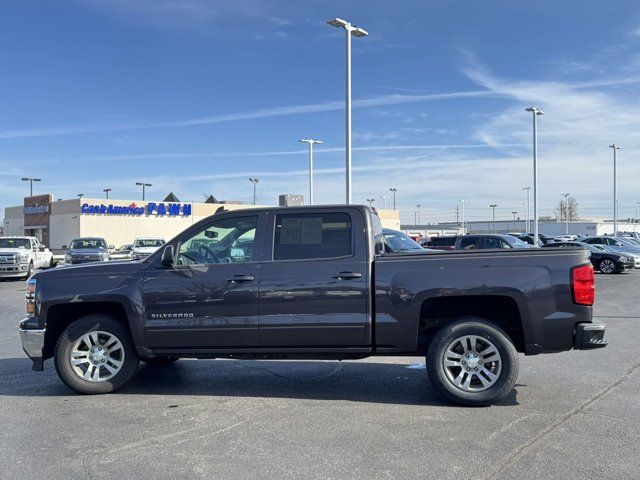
273 222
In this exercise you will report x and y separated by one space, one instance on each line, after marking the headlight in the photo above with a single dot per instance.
24 258
623 259
104 256
67 258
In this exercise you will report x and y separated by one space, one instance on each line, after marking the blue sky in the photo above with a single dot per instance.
196 96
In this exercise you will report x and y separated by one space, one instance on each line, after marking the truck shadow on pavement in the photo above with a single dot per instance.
356 381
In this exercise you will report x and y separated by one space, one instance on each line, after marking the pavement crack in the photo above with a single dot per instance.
506 461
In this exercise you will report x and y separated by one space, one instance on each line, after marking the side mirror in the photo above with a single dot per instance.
168 257
111 247
42 248
64 247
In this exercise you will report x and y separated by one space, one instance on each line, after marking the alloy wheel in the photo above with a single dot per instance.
607 266
97 356
472 363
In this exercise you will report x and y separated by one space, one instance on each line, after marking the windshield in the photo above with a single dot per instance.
149 242
81 243
399 242
517 243
15 243
626 241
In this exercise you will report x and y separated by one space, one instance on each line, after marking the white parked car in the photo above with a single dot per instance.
20 256
143 247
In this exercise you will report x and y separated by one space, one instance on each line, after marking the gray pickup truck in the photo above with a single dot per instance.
311 282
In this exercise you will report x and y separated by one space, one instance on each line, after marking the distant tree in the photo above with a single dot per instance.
561 210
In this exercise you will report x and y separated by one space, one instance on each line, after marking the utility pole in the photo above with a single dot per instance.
417 215
566 212
31 180
514 220
463 229
457 215
254 181
394 190
311 142
356 32
528 222
535 113
384 199
493 223
615 189
143 185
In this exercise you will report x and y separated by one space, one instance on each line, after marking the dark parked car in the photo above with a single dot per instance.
87 249
528 238
602 260
485 242
317 283
446 242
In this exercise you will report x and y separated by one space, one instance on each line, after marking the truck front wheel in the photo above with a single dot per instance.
95 354
472 362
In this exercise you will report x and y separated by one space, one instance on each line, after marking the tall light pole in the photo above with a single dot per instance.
514 220
535 112
106 192
566 212
144 189
528 223
356 32
615 189
463 229
371 200
31 180
311 142
254 181
493 224
394 190
417 215
384 199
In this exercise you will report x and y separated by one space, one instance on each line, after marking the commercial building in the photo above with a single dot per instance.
120 222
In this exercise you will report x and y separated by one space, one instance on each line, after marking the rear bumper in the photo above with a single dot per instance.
589 336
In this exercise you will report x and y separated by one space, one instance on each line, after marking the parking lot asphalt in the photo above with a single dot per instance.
573 415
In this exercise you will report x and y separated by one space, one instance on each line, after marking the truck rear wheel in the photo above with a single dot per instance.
95 354
472 362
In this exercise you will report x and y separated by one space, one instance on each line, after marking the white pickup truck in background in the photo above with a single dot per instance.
21 256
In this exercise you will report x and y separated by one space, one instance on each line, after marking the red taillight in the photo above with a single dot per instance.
583 285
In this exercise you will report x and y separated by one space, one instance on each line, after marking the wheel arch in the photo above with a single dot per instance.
61 315
500 310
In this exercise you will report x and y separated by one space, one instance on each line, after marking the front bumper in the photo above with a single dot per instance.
14 270
32 342
589 336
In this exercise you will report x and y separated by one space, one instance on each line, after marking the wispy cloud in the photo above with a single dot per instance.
248 115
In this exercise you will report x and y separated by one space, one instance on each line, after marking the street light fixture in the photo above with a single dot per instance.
310 141
493 225
106 192
144 187
371 200
31 180
615 189
356 32
566 212
394 190
535 112
80 195
254 181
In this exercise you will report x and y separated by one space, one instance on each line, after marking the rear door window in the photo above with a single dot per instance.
469 243
312 236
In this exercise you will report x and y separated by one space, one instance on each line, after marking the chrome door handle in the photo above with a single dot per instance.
347 275
241 278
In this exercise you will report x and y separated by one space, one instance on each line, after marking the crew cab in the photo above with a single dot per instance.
20 256
312 282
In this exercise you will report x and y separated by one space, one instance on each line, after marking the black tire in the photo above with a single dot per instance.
159 361
29 270
80 327
485 330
